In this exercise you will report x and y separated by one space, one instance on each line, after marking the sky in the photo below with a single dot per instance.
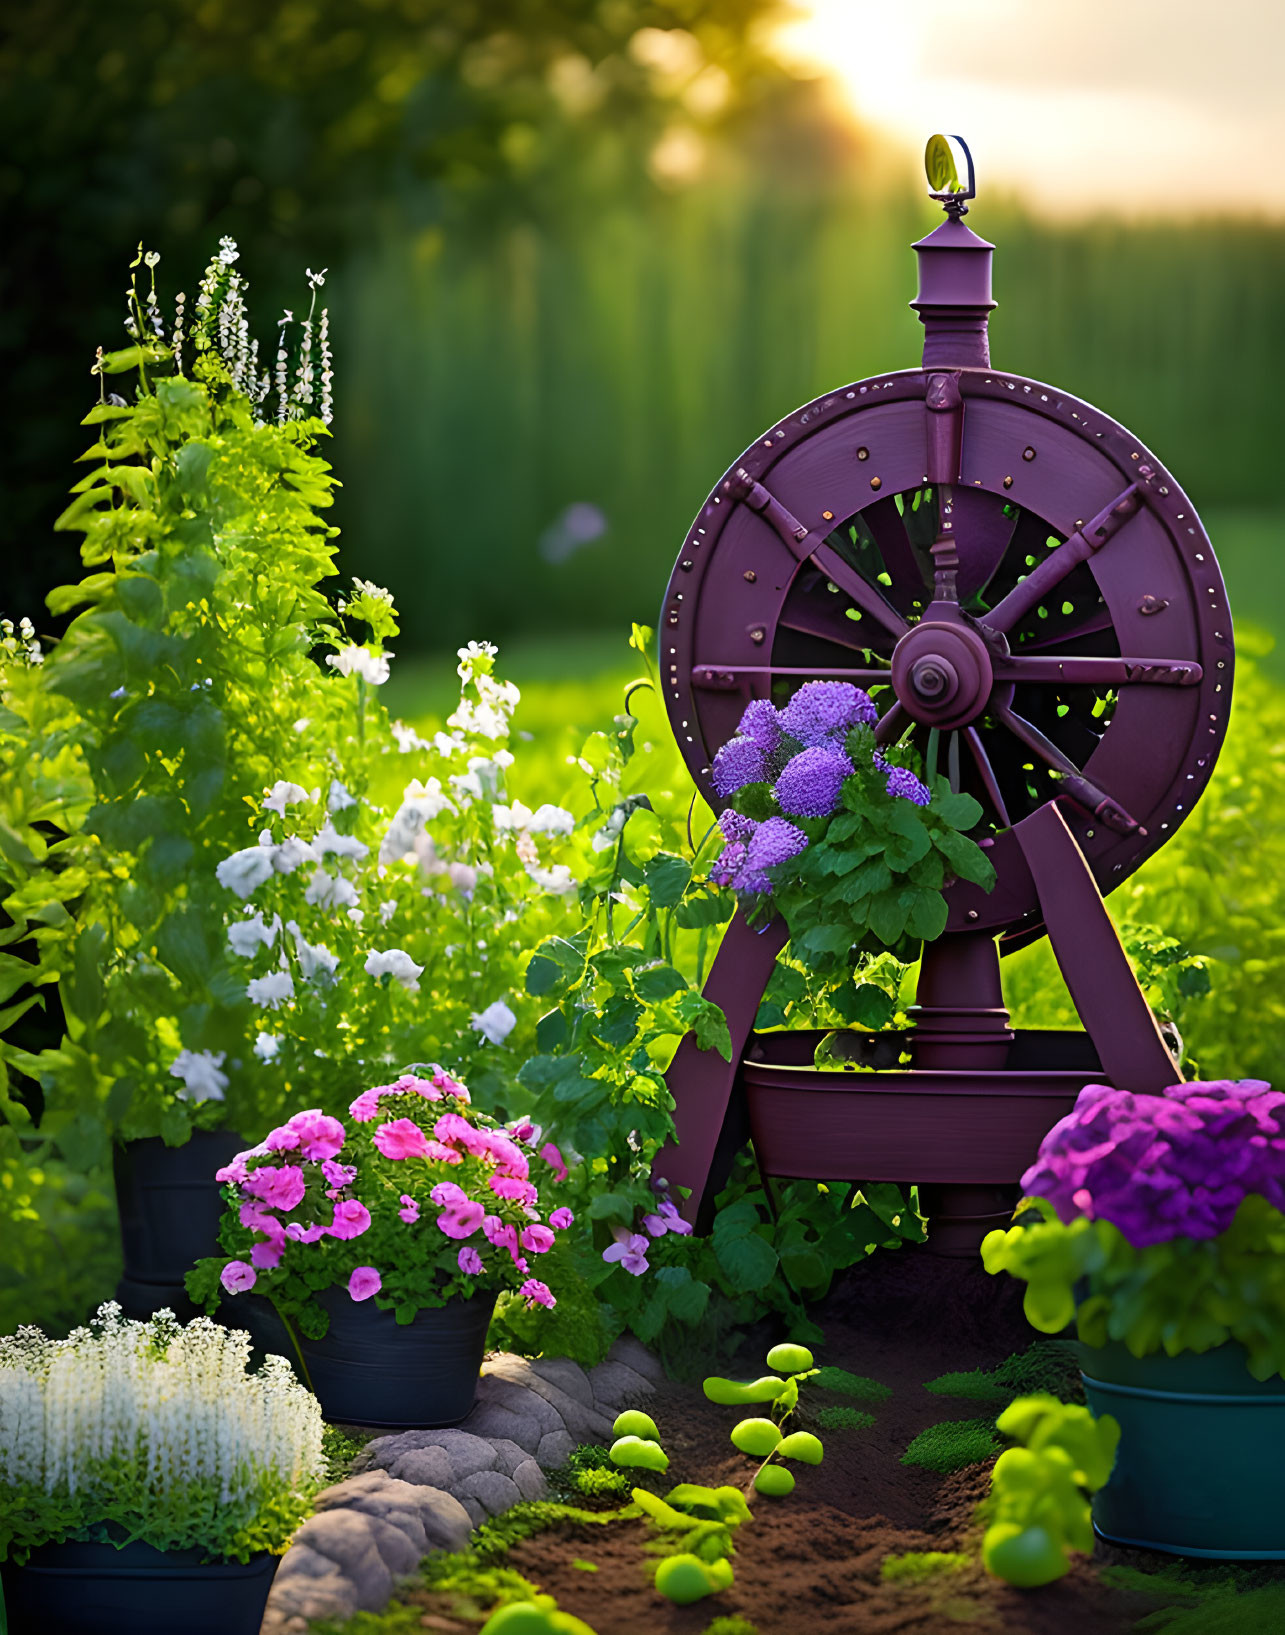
1077 105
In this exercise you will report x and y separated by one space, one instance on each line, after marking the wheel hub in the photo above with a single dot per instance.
942 674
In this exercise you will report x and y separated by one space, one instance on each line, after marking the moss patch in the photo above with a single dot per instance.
838 1418
851 1385
953 1444
919 1566
340 1447
1048 1365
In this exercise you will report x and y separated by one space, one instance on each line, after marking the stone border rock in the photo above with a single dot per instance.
417 1492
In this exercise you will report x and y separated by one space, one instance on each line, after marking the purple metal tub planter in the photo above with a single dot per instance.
1029 606
384 1273
1157 1225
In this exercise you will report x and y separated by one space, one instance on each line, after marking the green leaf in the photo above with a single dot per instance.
666 878
705 908
642 835
865 1006
611 1204
888 912
954 807
749 1262
555 963
928 915
658 981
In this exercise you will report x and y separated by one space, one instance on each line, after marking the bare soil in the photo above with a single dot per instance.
810 1564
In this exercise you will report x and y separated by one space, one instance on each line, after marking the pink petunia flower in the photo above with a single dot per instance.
508 1186
631 1253
523 1130
351 1219
265 1255
561 1219
461 1220
443 1081
536 1293
320 1136
509 1157
365 1107
447 1193
339 1175
455 1127
469 1261
282 1139
553 1158
306 1234
439 1153
501 1234
280 1186
364 1282
538 1239
401 1138
238 1276
409 1211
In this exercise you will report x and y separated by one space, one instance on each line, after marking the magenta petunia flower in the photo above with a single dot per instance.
282 1139
455 1128
553 1158
509 1186
523 1130
401 1138
446 1194
439 1153
238 1276
561 1219
320 1136
351 1219
443 1082
461 1219
306 1234
366 1107
265 1255
409 1211
338 1175
536 1293
278 1186
236 1171
538 1240
364 1282
469 1261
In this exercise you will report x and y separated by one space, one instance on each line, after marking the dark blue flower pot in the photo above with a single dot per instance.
170 1206
1202 1446
371 1370
96 1589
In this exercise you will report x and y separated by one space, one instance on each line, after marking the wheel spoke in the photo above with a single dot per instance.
1081 545
1073 781
723 678
1075 671
1100 620
952 762
866 597
987 774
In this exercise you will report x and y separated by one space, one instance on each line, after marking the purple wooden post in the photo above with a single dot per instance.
702 1083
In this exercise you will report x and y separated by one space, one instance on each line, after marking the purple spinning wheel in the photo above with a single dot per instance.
1030 598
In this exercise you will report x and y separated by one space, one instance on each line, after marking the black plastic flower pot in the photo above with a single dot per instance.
1198 1469
169 1206
96 1589
371 1370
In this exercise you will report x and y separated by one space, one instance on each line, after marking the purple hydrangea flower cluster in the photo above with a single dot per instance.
903 782
740 761
1177 1165
753 848
823 710
810 784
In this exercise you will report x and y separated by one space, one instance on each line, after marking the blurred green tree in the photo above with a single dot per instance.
298 126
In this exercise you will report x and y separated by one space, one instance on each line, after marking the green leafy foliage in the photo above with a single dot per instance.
1190 1294
1038 1507
952 1445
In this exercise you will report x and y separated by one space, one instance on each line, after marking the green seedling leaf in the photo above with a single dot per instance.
734 1394
790 1359
686 1578
636 1454
635 1423
725 1504
1023 1556
664 1515
801 1445
756 1436
530 1618
774 1481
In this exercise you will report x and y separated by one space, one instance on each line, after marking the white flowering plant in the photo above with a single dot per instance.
154 1431
211 834
412 1199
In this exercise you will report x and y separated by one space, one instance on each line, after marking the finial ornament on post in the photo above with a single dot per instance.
954 300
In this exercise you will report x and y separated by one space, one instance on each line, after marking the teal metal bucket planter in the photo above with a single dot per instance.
1202 1448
